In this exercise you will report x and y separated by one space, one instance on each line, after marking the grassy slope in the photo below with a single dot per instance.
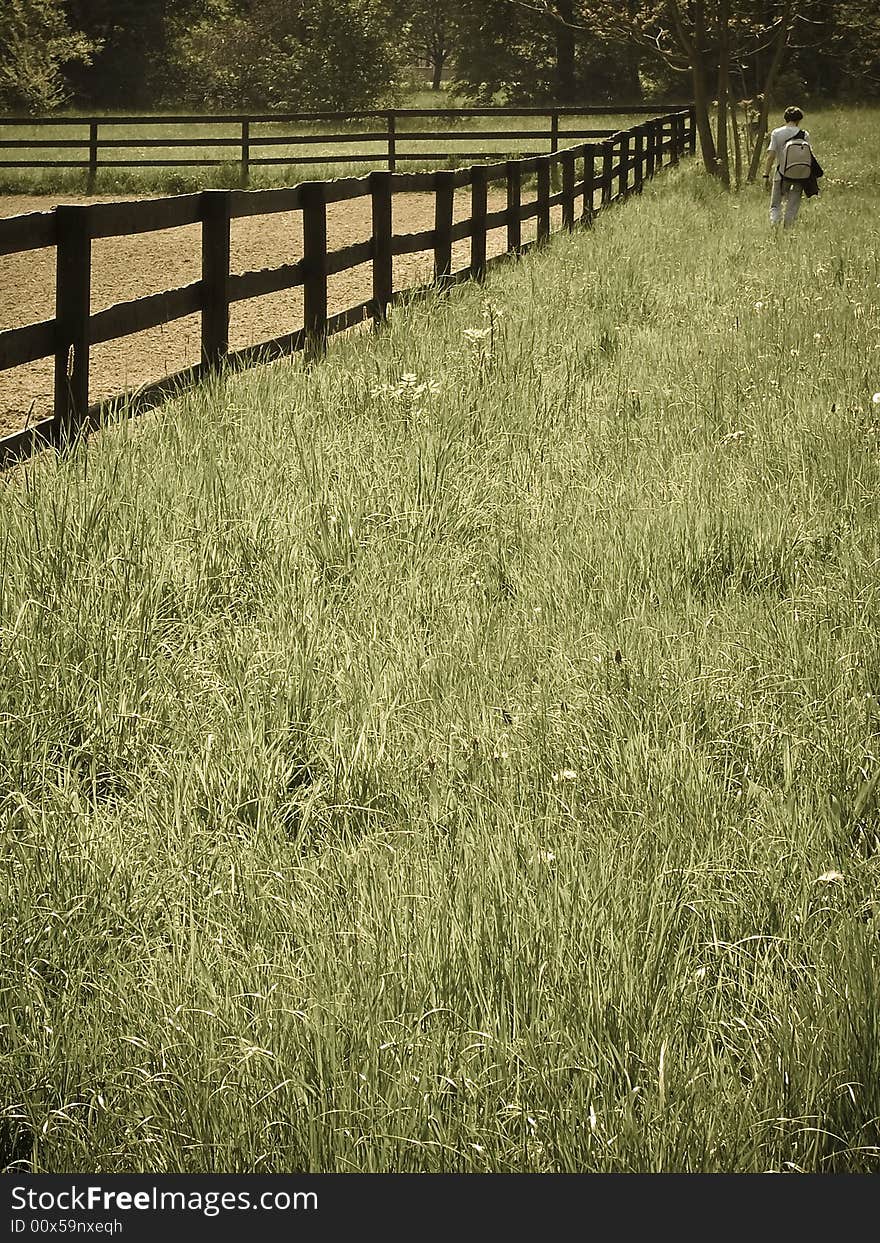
431 760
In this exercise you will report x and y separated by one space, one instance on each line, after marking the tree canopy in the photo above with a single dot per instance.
338 54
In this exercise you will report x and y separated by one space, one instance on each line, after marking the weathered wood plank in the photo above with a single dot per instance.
342 189
419 183
412 243
32 231
349 318
349 257
244 203
124 219
28 441
258 283
26 344
124 318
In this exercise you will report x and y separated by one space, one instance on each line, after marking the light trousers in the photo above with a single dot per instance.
789 192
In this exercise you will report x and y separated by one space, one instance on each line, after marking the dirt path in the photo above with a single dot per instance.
131 267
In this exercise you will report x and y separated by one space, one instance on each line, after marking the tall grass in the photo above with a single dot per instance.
462 754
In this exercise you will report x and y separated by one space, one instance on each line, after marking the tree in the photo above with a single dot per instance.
40 48
290 56
702 39
540 53
428 32
131 63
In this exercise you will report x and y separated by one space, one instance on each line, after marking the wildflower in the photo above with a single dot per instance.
565 774
829 878
548 856
876 399
477 334
759 306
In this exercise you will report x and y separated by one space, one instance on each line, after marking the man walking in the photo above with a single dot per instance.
782 188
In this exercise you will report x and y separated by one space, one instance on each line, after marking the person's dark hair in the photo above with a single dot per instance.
794 115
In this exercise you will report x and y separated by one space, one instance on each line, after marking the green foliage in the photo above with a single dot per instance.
315 54
39 46
130 67
527 54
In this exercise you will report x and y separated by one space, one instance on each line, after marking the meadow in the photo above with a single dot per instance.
441 152
461 754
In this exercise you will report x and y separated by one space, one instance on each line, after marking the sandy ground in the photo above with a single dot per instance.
131 267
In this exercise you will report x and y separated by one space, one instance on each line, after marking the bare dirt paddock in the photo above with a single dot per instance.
130 267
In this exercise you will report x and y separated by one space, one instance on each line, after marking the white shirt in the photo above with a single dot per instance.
780 137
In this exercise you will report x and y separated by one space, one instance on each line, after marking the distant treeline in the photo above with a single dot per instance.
337 54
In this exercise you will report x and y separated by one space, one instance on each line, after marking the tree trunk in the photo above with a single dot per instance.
723 91
704 124
772 71
737 144
565 52
437 74
695 47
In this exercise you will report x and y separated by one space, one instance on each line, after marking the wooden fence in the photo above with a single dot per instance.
91 143
610 169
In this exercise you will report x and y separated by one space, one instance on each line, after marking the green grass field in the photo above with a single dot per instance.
462 754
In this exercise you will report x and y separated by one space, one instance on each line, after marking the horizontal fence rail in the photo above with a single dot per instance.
94 146
613 168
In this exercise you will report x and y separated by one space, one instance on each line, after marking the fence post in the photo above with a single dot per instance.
383 270
215 277
607 165
589 154
314 209
650 148
245 152
554 132
392 142
639 157
444 200
73 281
514 206
93 156
543 198
478 222
673 140
623 176
692 130
567 158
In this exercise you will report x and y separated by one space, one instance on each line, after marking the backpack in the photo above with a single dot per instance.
796 163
